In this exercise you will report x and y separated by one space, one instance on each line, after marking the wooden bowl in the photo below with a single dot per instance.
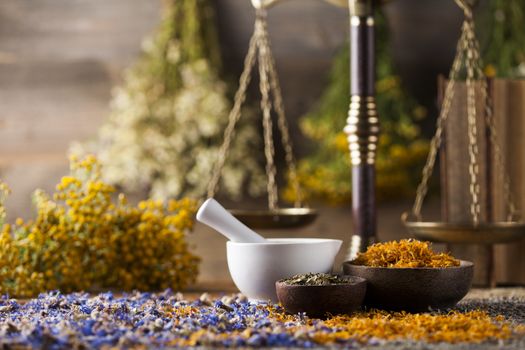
318 301
413 289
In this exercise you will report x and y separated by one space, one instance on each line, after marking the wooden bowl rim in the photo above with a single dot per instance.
464 264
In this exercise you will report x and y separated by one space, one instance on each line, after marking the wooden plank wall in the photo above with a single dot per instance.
58 62
60 58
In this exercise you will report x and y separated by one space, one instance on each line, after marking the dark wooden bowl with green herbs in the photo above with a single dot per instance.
319 295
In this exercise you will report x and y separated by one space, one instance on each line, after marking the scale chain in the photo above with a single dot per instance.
472 122
469 44
281 118
494 139
259 48
436 141
266 106
235 115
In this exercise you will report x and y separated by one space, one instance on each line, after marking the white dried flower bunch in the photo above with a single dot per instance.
168 117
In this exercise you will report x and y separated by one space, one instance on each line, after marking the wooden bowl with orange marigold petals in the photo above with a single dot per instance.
408 275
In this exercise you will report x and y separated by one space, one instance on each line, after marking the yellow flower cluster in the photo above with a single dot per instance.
404 253
85 239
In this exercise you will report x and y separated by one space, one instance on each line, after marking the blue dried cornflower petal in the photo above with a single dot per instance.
227 343
13 304
196 303
263 323
308 344
101 333
85 309
101 341
256 340
145 295
281 339
87 327
106 296
34 342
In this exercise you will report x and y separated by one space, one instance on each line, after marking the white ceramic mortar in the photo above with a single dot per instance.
255 267
256 263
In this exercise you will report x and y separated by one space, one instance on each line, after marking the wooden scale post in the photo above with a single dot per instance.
362 124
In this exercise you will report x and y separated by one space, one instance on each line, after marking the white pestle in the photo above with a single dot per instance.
213 214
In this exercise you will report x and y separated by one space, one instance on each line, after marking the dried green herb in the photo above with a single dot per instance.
315 279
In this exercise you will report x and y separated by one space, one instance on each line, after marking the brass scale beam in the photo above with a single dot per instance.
362 124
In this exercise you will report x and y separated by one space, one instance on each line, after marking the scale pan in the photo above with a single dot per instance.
484 233
276 219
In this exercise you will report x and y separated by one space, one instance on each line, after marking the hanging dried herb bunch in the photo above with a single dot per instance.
168 117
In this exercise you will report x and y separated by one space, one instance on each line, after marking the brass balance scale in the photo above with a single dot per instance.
362 145
260 51
362 127
476 231
363 133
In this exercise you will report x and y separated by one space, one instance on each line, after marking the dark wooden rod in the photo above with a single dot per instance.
362 124
363 202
